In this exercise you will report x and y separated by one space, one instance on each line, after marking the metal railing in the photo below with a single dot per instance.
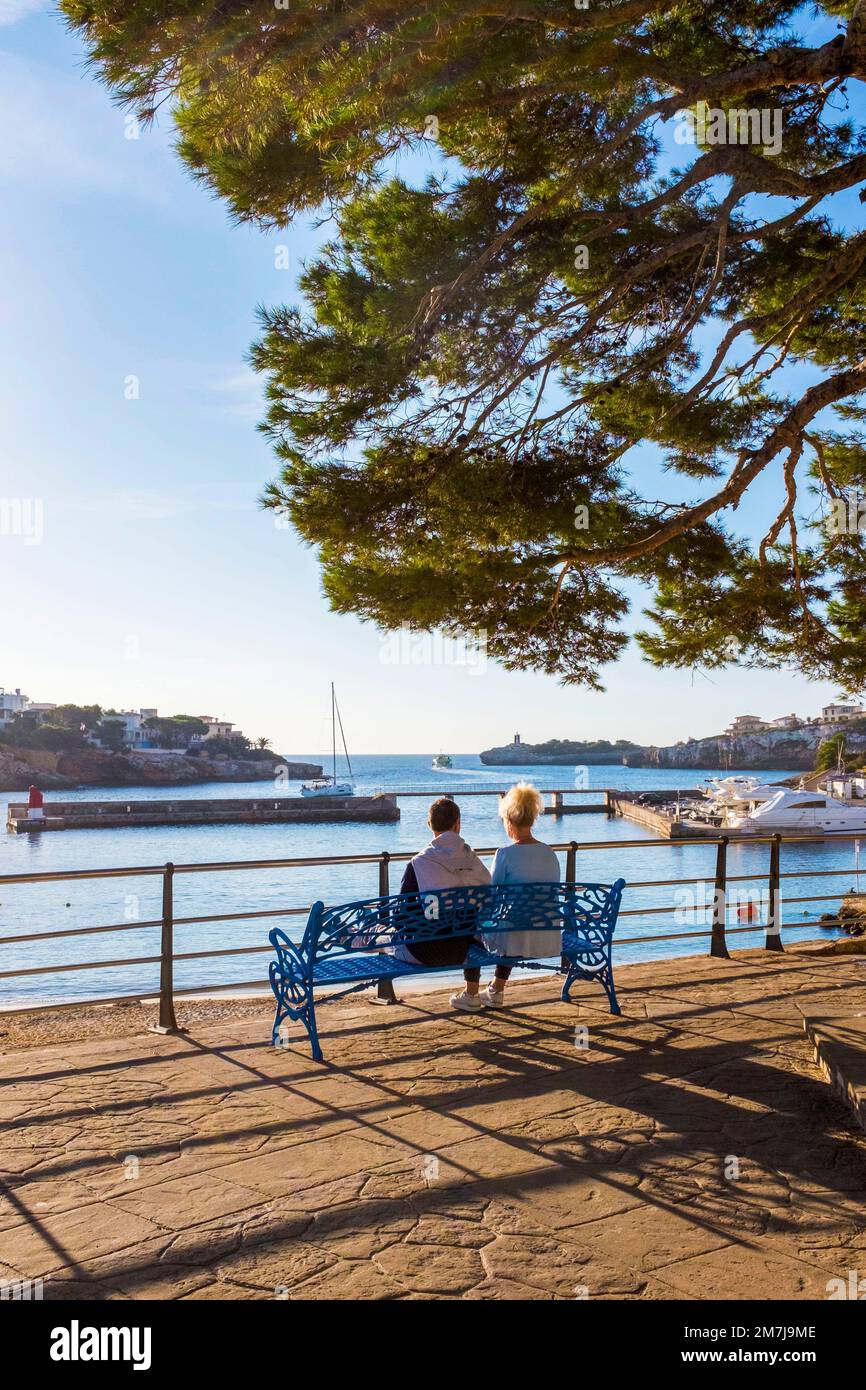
717 930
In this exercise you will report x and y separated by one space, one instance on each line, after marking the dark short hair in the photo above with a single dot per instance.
444 814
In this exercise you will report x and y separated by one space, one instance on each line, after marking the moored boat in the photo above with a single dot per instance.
329 786
738 792
798 812
326 786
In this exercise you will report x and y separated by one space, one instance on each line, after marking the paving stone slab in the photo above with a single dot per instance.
442 1157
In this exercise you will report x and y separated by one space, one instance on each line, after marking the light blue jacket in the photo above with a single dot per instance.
532 863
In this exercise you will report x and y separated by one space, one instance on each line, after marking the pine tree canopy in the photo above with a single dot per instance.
610 340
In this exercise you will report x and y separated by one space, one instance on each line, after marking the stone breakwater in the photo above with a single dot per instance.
117 815
90 767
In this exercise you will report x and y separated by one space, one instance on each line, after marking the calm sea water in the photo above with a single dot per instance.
30 908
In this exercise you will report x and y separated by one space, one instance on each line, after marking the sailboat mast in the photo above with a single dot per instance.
343 737
333 732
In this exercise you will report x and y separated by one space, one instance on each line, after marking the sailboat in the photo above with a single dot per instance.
329 786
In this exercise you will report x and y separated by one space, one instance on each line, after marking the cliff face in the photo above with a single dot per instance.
778 748
90 767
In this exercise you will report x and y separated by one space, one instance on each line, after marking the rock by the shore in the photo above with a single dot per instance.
851 916
90 767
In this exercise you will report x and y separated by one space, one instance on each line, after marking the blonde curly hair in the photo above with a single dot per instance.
522 805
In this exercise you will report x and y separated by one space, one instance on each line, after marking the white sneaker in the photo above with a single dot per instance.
469 1003
494 998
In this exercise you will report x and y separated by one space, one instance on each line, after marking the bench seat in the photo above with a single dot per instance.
380 966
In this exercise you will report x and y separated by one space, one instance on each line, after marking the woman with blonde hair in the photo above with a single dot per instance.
525 860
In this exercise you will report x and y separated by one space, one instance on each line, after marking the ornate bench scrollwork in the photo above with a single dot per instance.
351 945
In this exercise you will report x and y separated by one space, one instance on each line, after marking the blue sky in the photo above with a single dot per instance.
158 580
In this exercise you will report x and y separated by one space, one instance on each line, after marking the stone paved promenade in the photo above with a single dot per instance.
692 1150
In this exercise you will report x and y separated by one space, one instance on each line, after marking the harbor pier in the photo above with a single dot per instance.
557 806
117 814
648 809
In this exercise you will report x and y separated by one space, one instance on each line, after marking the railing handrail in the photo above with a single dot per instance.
403 856
167 956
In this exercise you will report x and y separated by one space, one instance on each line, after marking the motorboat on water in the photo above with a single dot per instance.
441 762
797 812
329 786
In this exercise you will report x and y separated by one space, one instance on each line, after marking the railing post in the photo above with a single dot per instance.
773 940
385 991
167 1021
570 877
718 942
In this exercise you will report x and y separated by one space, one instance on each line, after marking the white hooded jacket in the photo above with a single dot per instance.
448 862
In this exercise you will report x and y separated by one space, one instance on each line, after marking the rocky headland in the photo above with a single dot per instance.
772 749
91 767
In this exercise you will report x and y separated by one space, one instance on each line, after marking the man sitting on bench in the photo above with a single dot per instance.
447 862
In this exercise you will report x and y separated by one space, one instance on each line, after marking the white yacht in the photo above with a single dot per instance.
329 786
738 792
797 812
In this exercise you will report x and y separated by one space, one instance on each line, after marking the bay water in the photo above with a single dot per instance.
31 908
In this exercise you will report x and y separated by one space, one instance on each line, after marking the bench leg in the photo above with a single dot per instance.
313 1032
572 971
279 1015
604 977
304 1013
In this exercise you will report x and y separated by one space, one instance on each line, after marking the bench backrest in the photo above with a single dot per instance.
587 909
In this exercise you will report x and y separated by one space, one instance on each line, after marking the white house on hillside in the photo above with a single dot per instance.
134 734
841 713
216 728
12 702
747 724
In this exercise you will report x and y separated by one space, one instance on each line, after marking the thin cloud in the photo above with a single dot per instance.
11 11
242 391
138 505
61 132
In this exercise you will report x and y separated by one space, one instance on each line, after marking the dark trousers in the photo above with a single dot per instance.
472 973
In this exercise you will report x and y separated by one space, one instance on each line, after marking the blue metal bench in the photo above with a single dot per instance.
350 944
